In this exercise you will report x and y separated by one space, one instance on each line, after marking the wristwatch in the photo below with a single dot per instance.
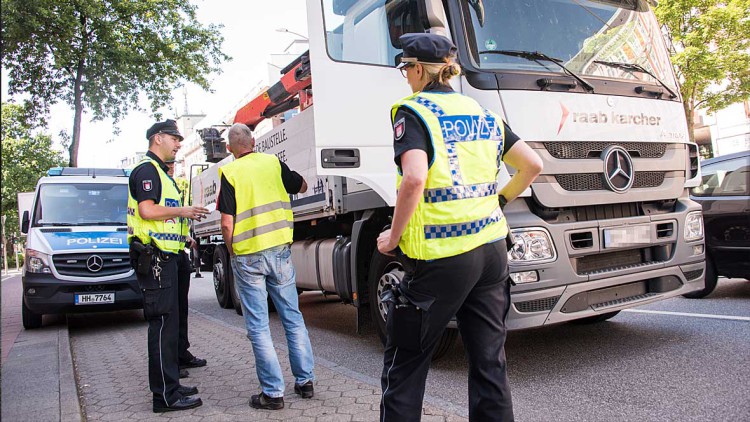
501 199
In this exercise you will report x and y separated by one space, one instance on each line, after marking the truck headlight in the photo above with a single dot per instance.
693 226
531 245
37 262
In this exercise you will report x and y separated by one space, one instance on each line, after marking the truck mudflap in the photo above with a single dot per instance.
597 297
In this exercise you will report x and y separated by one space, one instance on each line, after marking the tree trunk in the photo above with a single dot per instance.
689 110
78 111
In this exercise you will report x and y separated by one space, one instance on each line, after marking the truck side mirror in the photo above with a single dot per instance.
25 222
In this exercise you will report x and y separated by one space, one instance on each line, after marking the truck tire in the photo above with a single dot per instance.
29 319
711 280
235 296
596 318
384 270
223 277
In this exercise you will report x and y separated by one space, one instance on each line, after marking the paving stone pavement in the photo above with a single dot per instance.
112 375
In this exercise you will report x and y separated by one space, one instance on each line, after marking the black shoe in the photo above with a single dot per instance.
181 404
193 363
262 401
184 373
305 390
187 391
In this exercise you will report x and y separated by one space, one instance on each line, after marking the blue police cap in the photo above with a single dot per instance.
168 126
426 48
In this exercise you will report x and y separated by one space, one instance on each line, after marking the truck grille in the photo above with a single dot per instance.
81 264
595 181
537 305
621 260
578 150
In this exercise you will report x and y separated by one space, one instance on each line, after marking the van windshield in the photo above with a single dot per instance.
591 38
81 204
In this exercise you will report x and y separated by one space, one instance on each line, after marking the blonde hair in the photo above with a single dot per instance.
441 72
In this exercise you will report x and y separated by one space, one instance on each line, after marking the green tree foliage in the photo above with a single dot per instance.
710 42
26 157
103 54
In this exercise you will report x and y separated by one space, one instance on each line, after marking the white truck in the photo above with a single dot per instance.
587 84
76 257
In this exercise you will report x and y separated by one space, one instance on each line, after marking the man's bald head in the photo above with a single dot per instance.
240 139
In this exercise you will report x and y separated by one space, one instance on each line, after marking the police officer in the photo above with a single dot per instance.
448 228
186 359
155 234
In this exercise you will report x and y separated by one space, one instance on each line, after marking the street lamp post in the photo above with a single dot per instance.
291 32
5 247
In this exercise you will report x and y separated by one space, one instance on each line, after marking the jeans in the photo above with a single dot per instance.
258 275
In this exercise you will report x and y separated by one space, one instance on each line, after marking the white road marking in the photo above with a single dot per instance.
710 316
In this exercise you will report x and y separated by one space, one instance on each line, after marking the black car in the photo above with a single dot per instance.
724 193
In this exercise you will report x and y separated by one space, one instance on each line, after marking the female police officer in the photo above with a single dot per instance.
449 224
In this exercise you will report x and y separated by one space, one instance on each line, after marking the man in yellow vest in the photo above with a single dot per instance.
256 222
449 231
186 359
156 234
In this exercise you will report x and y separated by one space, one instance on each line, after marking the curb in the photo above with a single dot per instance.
70 405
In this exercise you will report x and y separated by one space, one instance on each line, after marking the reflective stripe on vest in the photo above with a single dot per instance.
167 235
264 216
459 208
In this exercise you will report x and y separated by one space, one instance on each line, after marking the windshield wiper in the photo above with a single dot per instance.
56 224
633 67
536 56
104 223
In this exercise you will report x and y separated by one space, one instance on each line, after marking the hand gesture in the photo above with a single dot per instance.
194 212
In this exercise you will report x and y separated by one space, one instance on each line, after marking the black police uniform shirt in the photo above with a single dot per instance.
228 203
145 182
414 135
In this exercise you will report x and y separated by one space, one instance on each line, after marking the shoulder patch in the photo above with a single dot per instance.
147 185
399 128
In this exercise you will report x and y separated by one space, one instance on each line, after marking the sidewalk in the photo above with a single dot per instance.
113 380
38 382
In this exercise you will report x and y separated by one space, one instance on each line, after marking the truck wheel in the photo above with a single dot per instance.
222 277
235 295
29 319
596 318
385 270
711 280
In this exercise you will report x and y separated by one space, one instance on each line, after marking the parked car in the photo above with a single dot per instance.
724 194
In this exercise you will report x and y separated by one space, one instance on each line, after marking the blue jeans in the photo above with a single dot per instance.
257 275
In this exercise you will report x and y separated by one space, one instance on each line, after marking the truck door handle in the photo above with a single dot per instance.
347 158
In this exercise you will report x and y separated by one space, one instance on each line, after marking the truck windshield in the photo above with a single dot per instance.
586 35
81 204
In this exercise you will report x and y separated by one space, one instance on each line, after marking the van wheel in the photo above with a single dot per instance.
222 277
386 270
711 280
29 319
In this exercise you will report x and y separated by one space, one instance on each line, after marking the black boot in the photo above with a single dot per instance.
262 401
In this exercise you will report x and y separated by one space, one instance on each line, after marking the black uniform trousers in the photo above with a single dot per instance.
160 308
472 286
183 288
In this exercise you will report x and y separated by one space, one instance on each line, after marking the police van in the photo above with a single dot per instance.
77 250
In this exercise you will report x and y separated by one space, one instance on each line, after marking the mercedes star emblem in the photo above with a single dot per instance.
618 169
95 263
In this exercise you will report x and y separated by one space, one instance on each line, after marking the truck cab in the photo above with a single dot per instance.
76 256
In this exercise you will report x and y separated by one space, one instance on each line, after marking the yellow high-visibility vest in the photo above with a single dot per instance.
264 216
459 209
167 235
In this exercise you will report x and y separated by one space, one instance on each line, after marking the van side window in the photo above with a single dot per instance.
367 31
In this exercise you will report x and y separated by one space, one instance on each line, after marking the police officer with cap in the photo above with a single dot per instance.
449 231
156 235
186 359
